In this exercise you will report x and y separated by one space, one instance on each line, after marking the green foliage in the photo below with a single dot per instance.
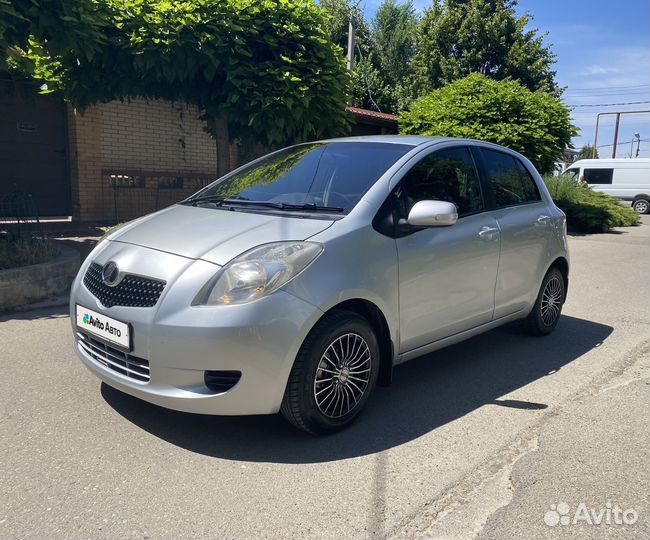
587 210
268 69
534 123
338 19
394 28
587 152
459 37
15 252
384 49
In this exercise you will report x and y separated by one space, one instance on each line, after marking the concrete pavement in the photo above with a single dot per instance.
479 439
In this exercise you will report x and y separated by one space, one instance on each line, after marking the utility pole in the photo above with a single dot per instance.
618 119
618 123
352 30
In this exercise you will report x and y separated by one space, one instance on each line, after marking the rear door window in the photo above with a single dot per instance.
598 176
511 182
531 191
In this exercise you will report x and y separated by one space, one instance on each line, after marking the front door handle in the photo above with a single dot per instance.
488 233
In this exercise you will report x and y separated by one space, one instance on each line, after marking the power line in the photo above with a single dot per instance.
612 93
610 104
624 142
609 87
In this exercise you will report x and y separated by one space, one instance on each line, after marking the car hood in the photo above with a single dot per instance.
214 235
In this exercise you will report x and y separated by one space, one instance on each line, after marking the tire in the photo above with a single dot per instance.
641 206
546 312
323 394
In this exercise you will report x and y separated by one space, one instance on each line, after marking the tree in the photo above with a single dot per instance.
383 52
339 13
536 124
459 37
587 152
262 71
393 32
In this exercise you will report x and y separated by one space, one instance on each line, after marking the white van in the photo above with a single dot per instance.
627 179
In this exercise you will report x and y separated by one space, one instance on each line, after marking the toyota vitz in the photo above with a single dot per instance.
297 282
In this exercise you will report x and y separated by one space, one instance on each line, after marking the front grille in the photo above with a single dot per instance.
123 363
132 291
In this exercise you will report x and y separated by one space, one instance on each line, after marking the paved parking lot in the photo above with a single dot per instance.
477 440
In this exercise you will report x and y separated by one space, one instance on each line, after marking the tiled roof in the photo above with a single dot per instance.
374 115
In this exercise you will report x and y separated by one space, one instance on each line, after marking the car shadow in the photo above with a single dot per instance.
426 393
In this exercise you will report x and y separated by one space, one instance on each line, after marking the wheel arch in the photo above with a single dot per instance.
371 312
562 264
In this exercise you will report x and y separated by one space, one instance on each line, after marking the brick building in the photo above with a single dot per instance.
117 160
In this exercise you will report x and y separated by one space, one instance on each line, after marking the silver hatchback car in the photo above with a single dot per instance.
297 282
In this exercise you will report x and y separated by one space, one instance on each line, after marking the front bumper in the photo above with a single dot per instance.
181 342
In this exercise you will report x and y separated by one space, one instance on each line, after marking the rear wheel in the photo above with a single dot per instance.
333 375
641 206
545 314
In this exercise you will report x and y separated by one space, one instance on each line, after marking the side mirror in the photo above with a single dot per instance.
433 214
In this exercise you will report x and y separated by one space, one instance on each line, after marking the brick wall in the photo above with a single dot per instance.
132 158
155 136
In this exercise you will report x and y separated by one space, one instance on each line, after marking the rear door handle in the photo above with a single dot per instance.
488 233
543 220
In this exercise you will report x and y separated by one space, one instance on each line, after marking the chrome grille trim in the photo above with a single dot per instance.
125 364
132 291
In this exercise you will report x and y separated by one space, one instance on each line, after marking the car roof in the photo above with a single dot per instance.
411 140
610 161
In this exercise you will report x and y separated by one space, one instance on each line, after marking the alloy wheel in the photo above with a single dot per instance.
551 301
342 376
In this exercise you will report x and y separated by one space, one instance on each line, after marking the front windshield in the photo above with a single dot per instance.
333 175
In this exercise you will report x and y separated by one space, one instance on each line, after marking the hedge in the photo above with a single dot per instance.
588 211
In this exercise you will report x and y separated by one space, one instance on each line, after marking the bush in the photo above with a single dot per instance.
588 210
15 252
503 112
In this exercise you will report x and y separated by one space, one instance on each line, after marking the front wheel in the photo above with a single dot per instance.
334 372
545 314
641 206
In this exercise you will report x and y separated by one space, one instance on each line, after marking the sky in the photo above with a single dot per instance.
603 57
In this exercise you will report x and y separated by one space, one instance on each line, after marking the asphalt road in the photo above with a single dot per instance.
477 440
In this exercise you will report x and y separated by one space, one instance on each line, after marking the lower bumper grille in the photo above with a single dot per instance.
221 381
123 363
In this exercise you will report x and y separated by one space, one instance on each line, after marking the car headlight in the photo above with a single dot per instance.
258 272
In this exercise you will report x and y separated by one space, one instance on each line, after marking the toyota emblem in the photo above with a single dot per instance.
110 274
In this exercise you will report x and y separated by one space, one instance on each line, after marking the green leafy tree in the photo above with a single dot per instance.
384 48
339 13
393 31
263 71
459 37
587 152
536 124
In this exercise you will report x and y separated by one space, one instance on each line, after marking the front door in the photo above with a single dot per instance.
447 275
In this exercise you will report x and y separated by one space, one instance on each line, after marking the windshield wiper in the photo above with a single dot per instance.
216 199
285 206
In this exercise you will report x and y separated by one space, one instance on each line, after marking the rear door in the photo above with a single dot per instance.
446 274
525 225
